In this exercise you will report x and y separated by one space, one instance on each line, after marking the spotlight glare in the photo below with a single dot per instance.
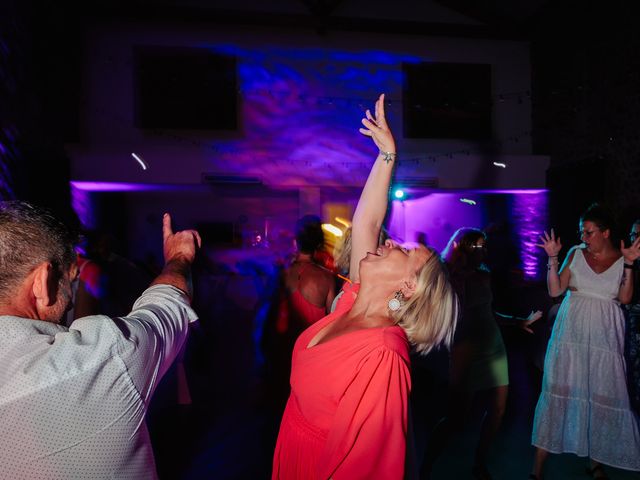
399 193
468 201
332 229
499 164
343 221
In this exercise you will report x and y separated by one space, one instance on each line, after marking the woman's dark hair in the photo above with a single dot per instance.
604 219
460 247
309 234
601 216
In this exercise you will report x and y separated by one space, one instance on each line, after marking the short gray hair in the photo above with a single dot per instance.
29 236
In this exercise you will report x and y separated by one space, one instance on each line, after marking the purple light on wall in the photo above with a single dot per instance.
81 204
513 191
529 214
439 214
82 200
123 187
435 216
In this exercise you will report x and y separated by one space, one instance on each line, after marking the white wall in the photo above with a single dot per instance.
293 134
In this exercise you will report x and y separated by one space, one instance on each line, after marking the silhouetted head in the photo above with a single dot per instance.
309 234
466 249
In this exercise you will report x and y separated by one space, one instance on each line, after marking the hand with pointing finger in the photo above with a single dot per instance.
180 245
179 252
378 129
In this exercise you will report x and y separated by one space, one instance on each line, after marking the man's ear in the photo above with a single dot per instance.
606 233
45 284
455 244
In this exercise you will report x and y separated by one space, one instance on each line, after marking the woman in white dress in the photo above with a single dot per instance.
584 406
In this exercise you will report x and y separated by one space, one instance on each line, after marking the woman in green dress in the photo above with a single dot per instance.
478 362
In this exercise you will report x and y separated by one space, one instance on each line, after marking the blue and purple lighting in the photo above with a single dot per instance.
529 214
437 215
302 108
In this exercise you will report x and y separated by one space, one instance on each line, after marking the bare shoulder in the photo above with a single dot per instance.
321 274
572 252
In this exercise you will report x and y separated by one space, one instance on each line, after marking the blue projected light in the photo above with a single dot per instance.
398 193
301 109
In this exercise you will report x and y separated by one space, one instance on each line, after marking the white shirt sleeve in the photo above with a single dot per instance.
153 334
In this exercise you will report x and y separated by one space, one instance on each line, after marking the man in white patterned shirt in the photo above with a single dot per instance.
73 400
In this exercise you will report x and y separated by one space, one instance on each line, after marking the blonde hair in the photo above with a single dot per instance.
342 251
429 316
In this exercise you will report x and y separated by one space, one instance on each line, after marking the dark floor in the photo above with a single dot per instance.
229 430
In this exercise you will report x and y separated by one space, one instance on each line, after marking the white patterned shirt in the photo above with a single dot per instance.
73 400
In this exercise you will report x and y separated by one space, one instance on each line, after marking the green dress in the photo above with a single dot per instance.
479 336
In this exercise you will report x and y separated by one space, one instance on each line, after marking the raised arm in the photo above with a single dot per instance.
156 328
557 283
179 252
372 206
630 255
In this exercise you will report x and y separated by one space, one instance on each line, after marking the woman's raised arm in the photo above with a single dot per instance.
372 206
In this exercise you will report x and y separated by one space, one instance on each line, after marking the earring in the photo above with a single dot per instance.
395 303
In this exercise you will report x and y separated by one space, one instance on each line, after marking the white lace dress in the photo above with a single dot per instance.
584 406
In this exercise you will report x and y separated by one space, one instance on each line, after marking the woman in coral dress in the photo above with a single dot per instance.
346 417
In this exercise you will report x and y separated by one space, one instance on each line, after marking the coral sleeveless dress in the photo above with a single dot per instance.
584 406
296 313
346 417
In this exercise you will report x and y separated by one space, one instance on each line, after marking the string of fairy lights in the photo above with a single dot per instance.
363 102
490 147
222 147
229 147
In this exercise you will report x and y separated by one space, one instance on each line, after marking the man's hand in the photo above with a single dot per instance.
179 252
180 245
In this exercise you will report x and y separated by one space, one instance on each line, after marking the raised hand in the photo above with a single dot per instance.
550 243
180 245
378 129
533 317
632 253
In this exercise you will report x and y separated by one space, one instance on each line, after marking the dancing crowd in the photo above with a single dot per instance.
347 413
73 397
